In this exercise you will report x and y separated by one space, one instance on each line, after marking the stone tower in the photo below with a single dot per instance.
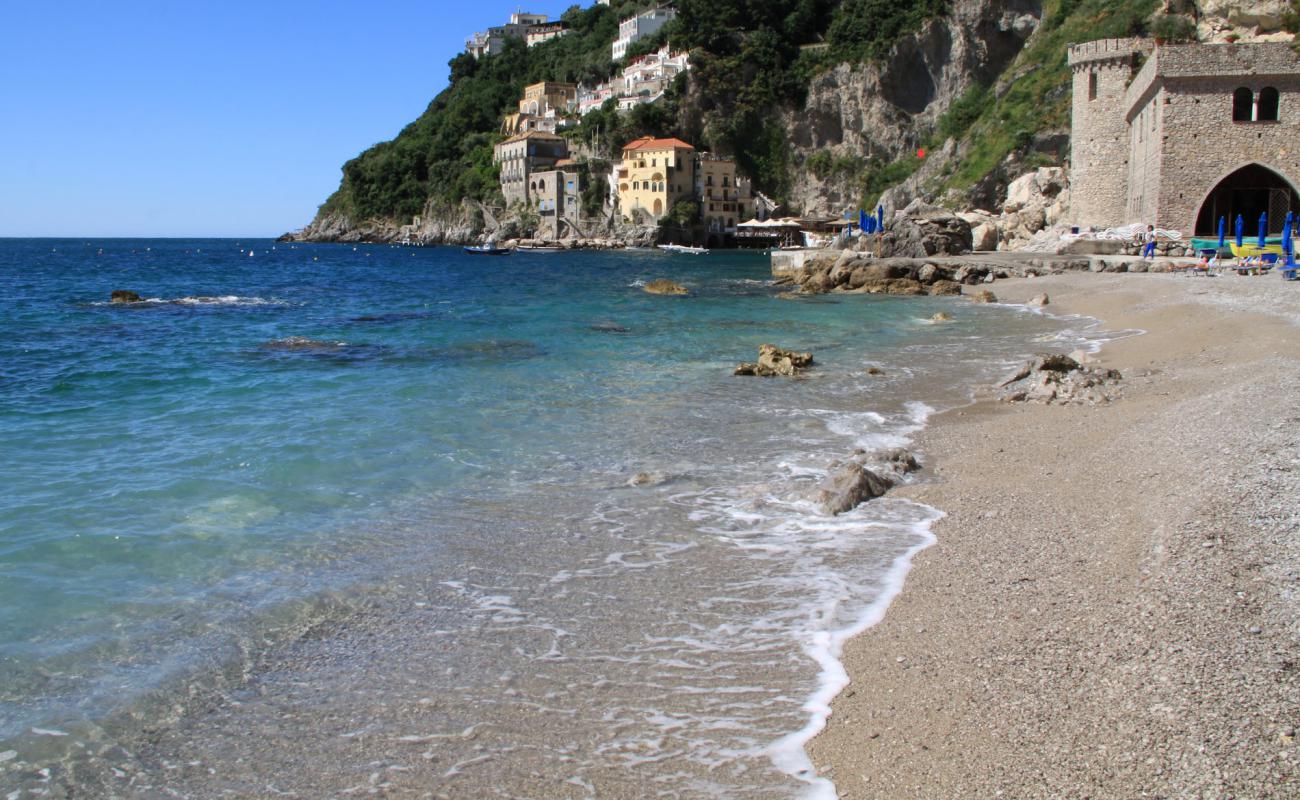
1099 139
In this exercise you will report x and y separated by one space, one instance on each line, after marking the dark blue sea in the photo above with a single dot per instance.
326 519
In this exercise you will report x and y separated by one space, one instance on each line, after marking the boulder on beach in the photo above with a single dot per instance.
1040 300
984 296
1060 379
849 487
124 296
774 361
665 286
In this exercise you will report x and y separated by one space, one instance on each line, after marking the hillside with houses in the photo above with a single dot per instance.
636 120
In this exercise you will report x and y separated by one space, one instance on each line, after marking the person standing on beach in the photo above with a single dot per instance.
1149 251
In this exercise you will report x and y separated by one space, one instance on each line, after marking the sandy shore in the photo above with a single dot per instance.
1112 607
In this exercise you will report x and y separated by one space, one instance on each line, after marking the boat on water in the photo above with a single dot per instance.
523 249
487 250
681 248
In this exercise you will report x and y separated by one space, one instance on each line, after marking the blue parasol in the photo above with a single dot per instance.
1263 229
880 218
1223 230
1286 233
864 222
1241 228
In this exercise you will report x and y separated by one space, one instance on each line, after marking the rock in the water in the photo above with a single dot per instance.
852 485
124 296
875 371
302 343
608 327
984 296
941 316
773 361
901 460
1040 300
665 286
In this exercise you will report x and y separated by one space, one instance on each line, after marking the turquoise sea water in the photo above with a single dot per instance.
281 436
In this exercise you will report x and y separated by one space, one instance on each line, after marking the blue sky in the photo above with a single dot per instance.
209 118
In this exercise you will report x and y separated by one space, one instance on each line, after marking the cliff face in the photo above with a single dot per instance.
883 112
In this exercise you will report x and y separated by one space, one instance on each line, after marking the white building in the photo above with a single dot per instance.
643 81
494 39
634 28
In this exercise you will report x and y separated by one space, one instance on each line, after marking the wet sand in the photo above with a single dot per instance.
1111 608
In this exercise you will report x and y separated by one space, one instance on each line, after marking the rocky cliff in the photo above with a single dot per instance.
867 116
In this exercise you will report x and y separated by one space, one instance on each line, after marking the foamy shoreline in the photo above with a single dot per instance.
1105 612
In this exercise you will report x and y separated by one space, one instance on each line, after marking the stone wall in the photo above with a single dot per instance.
1099 145
1209 146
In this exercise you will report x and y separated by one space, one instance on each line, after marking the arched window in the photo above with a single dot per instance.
1243 102
1268 103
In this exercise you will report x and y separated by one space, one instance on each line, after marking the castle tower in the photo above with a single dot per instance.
1099 137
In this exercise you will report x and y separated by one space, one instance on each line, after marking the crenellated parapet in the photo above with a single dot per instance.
1103 53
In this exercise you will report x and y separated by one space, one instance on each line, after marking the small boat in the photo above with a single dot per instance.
524 249
487 250
681 248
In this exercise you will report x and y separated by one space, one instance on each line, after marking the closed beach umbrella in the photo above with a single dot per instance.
864 222
1223 230
1241 228
1286 233
1263 229
880 218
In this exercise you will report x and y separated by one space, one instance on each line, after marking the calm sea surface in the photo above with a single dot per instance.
328 520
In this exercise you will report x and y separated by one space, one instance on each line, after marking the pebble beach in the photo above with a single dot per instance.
1111 607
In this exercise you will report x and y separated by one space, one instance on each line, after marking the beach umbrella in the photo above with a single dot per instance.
1263 229
1223 230
880 218
1241 228
864 222
1286 233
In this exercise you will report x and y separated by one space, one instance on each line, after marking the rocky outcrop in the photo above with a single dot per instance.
665 286
775 361
922 230
124 296
879 113
1060 379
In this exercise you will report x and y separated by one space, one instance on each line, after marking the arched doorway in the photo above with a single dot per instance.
1250 191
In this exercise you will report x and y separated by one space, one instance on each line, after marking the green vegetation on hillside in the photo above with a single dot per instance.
748 63
1035 96
751 64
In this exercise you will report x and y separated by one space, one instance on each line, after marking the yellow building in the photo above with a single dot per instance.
654 175
544 97
724 196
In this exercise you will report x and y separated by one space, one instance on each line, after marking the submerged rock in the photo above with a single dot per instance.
124 296
773 361
608 327
941 316
665 286
303 344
